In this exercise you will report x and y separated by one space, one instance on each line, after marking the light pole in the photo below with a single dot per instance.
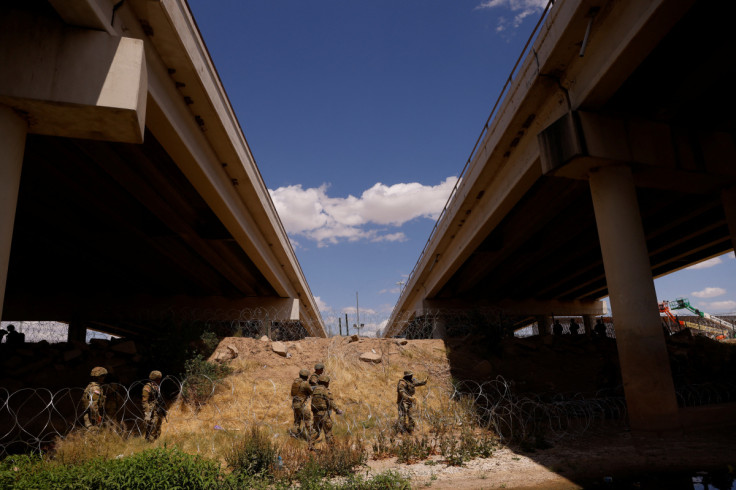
357 313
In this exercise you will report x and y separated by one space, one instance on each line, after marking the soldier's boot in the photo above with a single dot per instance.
294 432
410 425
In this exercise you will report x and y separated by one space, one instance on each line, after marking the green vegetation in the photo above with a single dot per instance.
253 455
201 376
153 468
171 468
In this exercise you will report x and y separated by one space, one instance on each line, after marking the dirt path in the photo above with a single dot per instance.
584 462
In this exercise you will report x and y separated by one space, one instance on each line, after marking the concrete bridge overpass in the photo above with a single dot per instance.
126 183
610 161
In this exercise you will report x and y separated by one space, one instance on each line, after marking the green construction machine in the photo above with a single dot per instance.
684 304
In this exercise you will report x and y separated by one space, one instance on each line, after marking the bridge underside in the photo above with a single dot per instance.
553 253
678 106
105 230
127 189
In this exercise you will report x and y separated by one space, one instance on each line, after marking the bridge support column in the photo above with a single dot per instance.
543 323
13 131
645 368
588 323
77 332
439 329
728 198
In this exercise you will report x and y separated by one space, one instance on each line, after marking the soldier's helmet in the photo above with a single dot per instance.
408 374
304 373
98 371
323 380
319 366
155 375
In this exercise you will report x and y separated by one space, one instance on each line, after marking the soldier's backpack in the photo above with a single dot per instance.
295 386
319 401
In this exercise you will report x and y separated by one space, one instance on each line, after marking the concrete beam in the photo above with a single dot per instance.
665 156
191 116
92 14
108 308
530 307
12 141
73 82
728 197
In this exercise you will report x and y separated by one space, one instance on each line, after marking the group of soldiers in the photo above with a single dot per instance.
97 397
599 330
316 387
312 403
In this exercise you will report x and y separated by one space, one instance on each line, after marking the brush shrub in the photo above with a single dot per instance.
253 455
153 468
201 378
411 450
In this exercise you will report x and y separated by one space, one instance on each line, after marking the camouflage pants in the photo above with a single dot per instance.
323 423
302 421
153 426
406 416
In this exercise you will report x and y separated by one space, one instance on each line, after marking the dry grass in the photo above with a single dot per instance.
82 445
253 395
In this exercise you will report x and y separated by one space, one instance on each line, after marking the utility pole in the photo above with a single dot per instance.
347 328
357 313
400 284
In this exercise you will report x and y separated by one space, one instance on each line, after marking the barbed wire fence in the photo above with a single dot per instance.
33 418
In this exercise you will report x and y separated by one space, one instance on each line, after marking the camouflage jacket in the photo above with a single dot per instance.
300 392
93 400
313 380
405 389
322 400
152 399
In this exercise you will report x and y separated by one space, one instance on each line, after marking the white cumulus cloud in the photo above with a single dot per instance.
314 214
709 292
706 264
722 306
520 9
323 307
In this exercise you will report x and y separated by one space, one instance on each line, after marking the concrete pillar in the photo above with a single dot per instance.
728 198
439 330
77 332
543 323
645 367
588 323
13 131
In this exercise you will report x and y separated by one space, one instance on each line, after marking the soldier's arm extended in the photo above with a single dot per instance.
420 383
331 401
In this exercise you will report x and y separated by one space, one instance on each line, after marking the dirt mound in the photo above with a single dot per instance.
304 354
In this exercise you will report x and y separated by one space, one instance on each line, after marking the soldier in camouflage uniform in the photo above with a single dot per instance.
93 399
405 401
322 406
318 370
300 393
154 408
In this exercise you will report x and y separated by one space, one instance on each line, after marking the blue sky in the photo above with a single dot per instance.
361 115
